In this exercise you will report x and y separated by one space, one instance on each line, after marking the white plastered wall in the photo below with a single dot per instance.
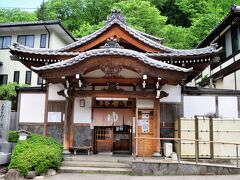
198 105
238 79
174 94
144 103
228 107
82 114
32 107
229 81
52 92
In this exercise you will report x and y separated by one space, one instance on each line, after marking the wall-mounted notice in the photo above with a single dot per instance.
145 125
54 116
145 116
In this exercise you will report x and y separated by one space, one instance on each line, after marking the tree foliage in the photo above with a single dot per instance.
182 23
8 92
15 15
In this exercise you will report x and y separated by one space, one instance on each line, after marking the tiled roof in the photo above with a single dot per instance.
193 52
134 33
42 51
111 52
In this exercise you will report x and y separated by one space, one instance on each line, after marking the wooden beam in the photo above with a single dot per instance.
117 94
170 76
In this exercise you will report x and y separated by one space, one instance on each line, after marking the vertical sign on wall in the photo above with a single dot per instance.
145 123
5 112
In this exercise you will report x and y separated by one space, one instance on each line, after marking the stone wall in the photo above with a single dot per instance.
82 136
33 128
156 168
55 130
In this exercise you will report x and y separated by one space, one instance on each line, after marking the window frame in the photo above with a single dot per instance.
38 80
4 75
45 45
30 77
1 46
25 40
14 76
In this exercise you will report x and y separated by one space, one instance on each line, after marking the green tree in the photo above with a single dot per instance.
142 15
8 92
14 15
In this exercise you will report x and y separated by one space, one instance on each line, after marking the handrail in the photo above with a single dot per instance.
196 141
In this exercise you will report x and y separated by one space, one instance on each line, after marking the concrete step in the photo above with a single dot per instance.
95 164
67 169
93 158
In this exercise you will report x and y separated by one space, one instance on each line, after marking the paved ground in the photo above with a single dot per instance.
126 177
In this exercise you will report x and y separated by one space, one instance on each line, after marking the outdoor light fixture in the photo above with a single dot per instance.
144 80
67 83
77 76
158 94
158 84
80 83
66 92
63 77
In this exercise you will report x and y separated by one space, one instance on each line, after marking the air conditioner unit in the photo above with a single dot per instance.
167 149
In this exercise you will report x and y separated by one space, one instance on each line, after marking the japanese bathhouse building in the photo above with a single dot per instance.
107 88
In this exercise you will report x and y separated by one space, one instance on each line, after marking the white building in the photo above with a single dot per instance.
224 73
41 34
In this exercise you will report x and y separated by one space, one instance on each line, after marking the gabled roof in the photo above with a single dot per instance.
226 21
112 52
140 36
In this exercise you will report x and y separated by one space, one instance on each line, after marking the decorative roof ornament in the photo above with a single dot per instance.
116 14
111 43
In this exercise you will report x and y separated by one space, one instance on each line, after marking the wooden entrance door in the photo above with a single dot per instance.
103 139
122 140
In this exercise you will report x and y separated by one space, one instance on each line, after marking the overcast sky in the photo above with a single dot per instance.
31 4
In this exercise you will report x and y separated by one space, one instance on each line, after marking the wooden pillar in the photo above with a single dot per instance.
46 112
67 125
157 123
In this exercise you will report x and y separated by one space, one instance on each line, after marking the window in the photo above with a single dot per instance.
3 79
43 40
28 77
16 76
5 41
228 41
40 80
236 38
26 40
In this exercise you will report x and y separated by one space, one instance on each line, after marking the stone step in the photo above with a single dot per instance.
95 164
66 169
93 158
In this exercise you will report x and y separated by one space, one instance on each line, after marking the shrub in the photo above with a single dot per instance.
37 153
13 136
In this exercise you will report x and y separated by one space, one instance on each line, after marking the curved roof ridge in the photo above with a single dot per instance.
131 31
112 51
39 51
188 52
